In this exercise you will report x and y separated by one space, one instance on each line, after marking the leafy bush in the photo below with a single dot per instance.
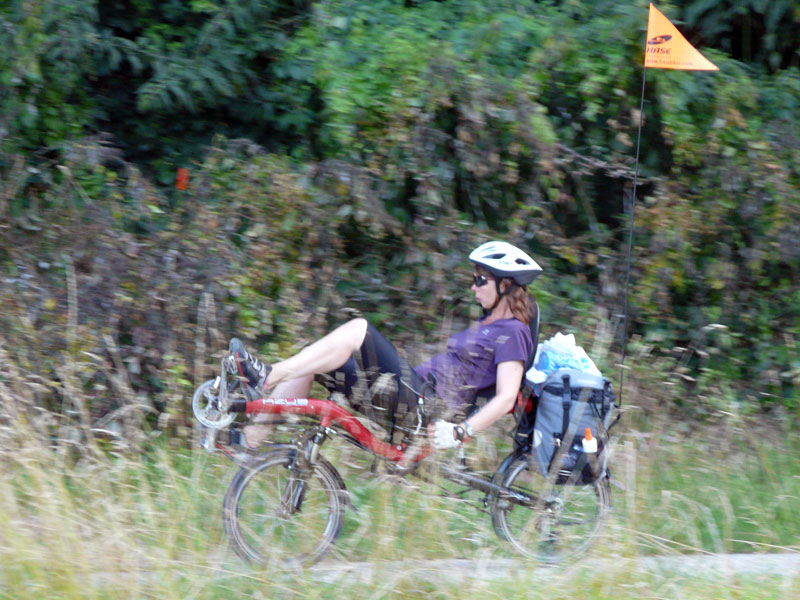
385 140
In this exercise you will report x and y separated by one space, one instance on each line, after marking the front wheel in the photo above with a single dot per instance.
545 520
277 507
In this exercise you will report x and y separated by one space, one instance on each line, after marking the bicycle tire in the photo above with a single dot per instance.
561 520
259 519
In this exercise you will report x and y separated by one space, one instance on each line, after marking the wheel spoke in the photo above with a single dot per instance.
260 516
559 520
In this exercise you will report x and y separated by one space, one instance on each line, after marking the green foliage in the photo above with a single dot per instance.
202 55
481 130
393 136
760 31
200 62
45 55
720 248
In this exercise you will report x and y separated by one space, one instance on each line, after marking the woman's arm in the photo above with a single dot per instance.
509 378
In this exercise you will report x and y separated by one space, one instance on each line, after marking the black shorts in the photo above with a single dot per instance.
377 381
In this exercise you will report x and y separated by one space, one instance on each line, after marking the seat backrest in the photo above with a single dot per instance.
534 325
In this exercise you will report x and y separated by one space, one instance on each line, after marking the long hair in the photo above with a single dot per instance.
521 303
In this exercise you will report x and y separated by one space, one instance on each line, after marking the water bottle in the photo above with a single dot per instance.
571 457
583 451
589 445
589 442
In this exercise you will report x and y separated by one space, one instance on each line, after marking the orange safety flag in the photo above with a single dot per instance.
668 49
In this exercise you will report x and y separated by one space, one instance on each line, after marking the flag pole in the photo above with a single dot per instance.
630 240
665 48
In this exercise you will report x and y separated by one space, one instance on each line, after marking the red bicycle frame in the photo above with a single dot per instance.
330 414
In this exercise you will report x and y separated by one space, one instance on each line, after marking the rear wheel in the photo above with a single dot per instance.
544 520
275 508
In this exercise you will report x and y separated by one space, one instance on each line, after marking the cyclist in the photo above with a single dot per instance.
490 353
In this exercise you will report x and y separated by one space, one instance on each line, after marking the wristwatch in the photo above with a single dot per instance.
468 429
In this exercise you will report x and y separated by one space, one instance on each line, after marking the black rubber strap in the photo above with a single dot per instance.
566 403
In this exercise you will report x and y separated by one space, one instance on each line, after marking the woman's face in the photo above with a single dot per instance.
484 288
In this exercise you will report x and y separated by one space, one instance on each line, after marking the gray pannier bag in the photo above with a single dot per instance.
571 401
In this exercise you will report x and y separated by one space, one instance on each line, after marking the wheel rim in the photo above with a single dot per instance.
262 519
561 521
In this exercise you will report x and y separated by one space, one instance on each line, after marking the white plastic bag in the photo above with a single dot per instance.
560 352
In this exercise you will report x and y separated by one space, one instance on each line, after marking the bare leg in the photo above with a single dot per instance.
262 425
293 377
324 355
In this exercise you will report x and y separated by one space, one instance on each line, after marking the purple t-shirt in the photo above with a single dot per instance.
470 361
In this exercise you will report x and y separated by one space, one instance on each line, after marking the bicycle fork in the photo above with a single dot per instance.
302 467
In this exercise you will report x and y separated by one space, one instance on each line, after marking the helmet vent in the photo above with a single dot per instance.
497 256
520 261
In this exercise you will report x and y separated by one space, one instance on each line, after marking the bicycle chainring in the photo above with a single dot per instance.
206 407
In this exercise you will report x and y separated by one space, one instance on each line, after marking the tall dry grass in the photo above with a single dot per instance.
87 516
99 524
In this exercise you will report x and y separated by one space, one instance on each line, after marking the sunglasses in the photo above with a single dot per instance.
480 280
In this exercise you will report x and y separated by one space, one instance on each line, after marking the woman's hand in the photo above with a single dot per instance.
443 434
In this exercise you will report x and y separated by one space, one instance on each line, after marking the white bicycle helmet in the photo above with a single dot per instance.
504 260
